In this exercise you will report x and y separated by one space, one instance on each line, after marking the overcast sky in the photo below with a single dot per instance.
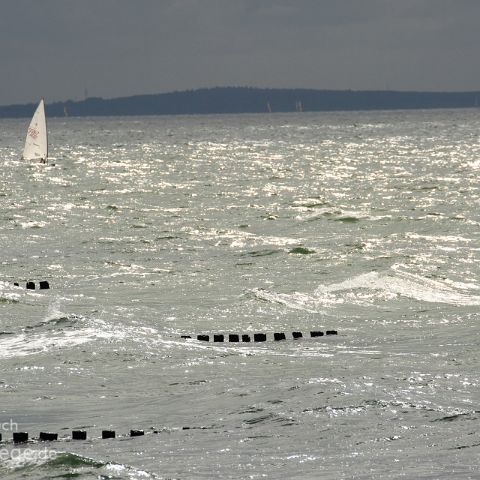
65 49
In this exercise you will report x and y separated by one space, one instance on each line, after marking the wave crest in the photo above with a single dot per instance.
368 288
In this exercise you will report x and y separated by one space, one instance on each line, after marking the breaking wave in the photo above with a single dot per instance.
373 287
49 463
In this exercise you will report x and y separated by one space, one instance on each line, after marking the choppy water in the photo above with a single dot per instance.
150 228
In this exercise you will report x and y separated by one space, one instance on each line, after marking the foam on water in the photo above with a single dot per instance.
373 287
400 283
50 463
32 344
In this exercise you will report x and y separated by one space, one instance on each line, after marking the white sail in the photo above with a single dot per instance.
36 146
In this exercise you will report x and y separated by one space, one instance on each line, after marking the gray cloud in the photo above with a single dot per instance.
59 48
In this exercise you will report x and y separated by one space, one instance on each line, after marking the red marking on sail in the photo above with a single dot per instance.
33 133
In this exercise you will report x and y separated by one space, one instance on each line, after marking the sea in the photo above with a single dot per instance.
153 229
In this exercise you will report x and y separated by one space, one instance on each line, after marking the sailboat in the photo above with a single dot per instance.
36 143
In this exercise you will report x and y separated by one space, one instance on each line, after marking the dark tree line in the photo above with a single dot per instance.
249 100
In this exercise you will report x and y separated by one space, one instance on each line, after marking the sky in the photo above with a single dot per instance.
71 49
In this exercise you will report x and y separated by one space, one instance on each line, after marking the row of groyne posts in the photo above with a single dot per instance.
42 285
257 337
22 437
19 438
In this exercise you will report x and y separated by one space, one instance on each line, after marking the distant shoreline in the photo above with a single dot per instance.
249 100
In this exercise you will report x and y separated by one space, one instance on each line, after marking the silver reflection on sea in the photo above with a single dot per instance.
149 228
